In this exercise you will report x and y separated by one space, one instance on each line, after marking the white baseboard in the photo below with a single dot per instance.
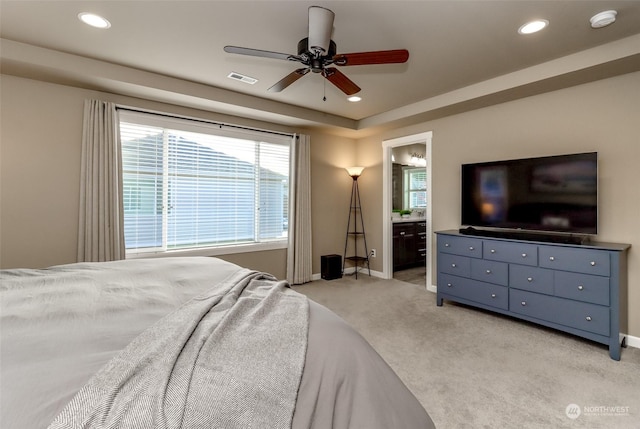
633 341
351 271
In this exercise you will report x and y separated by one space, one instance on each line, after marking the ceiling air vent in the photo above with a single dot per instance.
242 78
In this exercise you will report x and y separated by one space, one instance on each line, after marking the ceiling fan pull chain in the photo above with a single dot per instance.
324 90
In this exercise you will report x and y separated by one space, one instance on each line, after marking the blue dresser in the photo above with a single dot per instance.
579 289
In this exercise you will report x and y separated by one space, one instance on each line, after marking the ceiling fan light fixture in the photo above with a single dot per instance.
354 99
533 26
320 28
94 20
603 19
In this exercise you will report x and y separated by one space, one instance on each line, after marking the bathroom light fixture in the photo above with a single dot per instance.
603 19
418 160
94 20
533 26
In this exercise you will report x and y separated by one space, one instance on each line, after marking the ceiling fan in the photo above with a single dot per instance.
318 52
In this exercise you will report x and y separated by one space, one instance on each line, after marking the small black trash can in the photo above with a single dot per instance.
331 267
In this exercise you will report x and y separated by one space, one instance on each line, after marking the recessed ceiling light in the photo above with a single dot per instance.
94 20
603 19
533 26
354 99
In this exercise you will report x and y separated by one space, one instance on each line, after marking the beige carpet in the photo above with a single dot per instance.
416 275
474 369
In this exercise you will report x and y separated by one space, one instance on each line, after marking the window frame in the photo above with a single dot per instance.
201 126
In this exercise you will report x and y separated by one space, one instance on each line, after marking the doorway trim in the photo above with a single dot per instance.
387 202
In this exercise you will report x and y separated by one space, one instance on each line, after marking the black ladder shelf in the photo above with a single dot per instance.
355 232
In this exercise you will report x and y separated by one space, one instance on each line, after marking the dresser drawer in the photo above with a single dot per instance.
490 271
586 261
532 304
454 264
533 279
582 287
473 290
578 315
460 245
586 317
518 253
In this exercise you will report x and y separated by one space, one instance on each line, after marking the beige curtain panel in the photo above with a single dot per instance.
299 261
101 223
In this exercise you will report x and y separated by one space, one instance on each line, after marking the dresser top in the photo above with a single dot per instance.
588 245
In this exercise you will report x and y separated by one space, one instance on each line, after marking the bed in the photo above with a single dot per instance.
185 342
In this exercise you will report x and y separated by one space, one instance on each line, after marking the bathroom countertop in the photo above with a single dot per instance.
408 219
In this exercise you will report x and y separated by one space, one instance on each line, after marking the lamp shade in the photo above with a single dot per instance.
354 171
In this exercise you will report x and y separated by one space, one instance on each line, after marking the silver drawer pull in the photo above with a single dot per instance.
488 271
593 263
493 250
588 318
580 287
523 303
524 255
453 265
446 244
493 295
449 285
529 279
551 258
471 248
402 233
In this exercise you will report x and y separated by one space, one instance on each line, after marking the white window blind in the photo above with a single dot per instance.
193 185
415 185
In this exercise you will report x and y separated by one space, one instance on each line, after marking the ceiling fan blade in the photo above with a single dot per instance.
338 78
375 57
259 53
288 80
320 28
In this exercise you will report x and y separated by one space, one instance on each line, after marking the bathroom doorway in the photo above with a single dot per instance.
407 209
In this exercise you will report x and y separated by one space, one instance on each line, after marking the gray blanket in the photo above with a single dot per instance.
230 358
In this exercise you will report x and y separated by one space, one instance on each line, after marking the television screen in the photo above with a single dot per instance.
550 194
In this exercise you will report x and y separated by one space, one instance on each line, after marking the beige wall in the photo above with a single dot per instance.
40 144
603 116
330 193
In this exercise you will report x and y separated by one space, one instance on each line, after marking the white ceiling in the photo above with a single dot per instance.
453 45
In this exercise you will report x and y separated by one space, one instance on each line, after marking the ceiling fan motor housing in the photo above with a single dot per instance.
316 63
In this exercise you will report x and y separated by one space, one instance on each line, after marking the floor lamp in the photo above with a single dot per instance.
353 231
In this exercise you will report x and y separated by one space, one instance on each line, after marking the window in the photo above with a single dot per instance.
193 185
415 188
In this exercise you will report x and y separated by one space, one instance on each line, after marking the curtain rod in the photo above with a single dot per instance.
205 121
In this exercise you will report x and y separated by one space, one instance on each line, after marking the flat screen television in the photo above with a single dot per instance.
552 194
